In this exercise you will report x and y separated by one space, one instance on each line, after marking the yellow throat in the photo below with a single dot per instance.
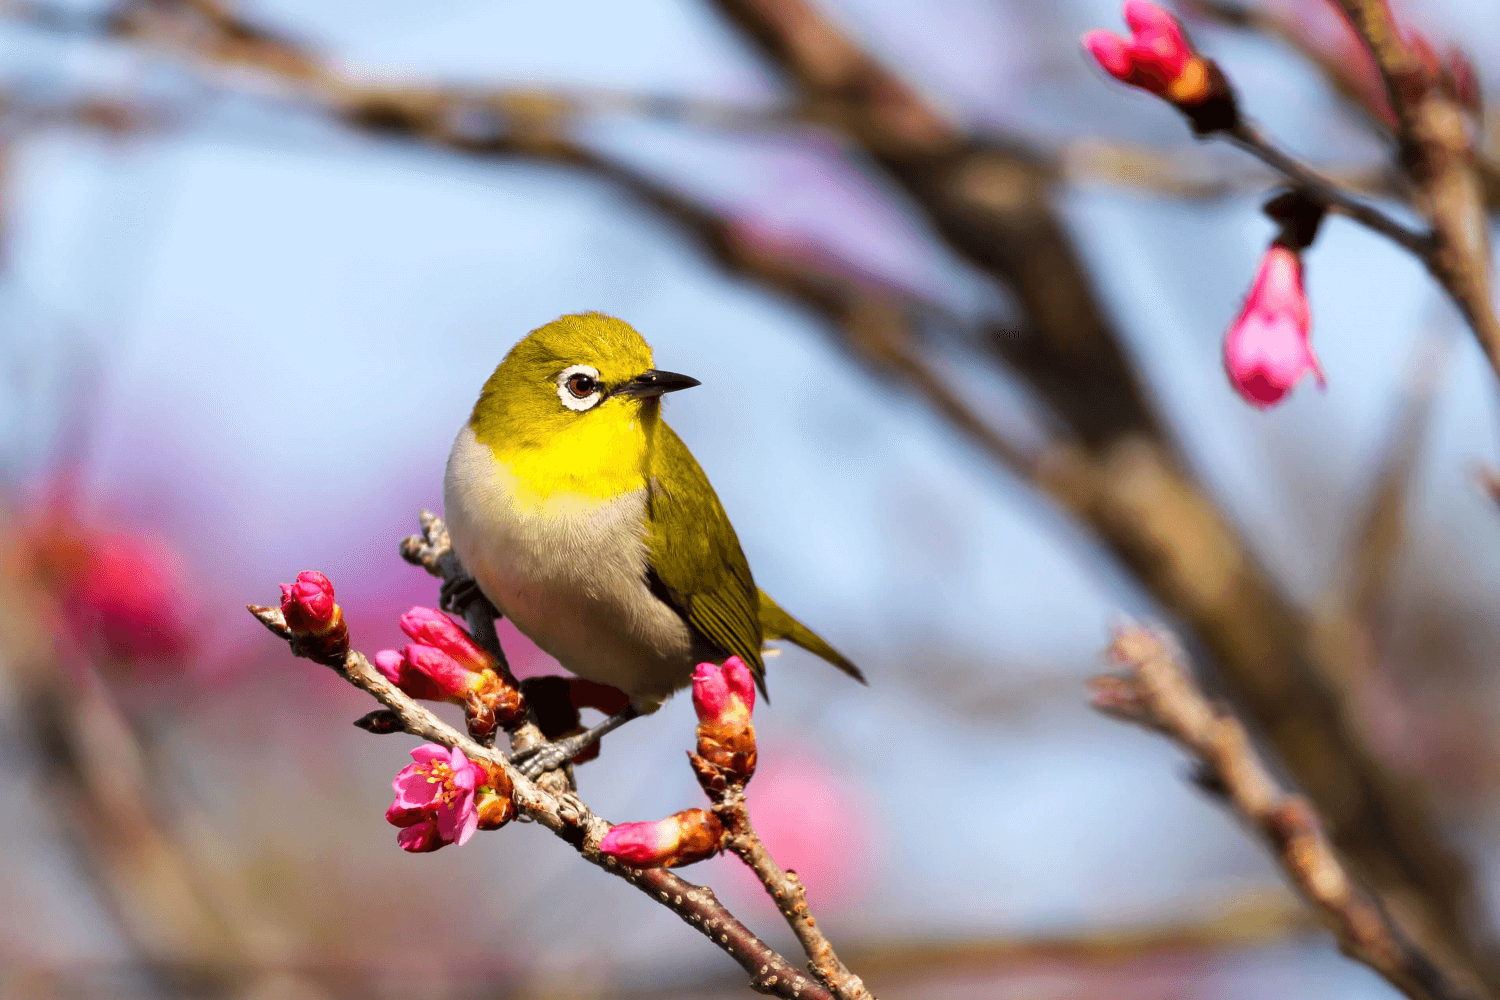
596 459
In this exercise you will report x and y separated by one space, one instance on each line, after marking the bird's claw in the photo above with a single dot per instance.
537 760
456 594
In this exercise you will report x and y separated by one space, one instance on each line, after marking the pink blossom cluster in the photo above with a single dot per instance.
442 663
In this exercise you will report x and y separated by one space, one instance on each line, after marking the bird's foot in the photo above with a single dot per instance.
457 594
537 760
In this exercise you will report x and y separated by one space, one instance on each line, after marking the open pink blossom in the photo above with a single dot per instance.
724 695
438 788
433 628
308 603
1156 57
680 839
1268 350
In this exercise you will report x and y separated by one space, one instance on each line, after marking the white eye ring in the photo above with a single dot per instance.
569 397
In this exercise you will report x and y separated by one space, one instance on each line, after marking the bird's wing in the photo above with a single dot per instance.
696 563
777 624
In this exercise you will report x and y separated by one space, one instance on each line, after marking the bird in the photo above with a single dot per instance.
583 518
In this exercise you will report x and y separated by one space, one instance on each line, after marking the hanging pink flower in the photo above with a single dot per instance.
1267 351
438 789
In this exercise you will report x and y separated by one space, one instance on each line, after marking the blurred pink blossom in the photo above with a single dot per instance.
1326 29
812 820
122 593
1267 350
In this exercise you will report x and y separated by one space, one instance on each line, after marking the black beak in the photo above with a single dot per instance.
653 383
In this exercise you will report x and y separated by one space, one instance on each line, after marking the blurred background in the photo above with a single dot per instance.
956 302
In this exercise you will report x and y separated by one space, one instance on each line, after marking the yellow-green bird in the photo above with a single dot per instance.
587 522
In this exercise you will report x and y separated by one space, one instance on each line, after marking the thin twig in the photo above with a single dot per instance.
1155 691
790 896
1252 140
567 816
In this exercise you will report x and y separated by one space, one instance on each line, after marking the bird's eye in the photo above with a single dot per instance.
578 387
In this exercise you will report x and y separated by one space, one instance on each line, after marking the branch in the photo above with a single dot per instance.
1188 175
1155 692
564 813
789 895
1439 157
1250 138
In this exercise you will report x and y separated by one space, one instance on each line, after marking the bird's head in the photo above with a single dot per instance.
581 376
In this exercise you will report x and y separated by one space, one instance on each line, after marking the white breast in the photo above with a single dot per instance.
570 572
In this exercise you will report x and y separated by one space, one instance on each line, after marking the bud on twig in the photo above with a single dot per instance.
314 620
494 799
445 664
1157 58
724 698
680 839
381 722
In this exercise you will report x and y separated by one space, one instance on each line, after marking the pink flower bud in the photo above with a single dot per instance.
396 669
1156 57
308 603
1267 350
723 694
448 677
433 628
724 697
680 839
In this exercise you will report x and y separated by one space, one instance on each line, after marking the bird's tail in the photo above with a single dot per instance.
777 624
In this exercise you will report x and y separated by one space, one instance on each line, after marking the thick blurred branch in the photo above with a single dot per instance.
1154 690
1438 155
